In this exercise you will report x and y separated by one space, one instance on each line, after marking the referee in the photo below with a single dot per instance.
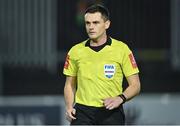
94 72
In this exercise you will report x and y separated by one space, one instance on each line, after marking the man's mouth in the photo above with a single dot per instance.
92 33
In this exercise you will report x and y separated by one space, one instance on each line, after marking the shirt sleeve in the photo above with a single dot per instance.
129 65
70 65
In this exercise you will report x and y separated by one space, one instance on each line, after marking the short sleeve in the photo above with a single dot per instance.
70 65
129 65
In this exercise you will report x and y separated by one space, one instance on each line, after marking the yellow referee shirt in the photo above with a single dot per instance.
99 74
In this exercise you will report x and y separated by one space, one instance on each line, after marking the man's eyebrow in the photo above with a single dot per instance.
91 21
96 21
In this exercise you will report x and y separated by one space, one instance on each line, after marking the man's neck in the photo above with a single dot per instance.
99 41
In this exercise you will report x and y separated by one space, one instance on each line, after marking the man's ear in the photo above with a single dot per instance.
107 24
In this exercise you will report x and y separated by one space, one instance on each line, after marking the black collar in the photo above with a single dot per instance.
108 42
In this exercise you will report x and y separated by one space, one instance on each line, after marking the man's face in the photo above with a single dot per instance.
95 25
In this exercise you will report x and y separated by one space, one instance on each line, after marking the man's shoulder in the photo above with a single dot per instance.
118 43
79 45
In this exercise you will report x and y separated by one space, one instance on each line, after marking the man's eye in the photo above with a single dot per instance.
87 23
96 22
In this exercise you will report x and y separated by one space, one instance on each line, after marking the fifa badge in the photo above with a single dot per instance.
109 70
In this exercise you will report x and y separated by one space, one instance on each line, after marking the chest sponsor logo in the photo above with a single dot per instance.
109 70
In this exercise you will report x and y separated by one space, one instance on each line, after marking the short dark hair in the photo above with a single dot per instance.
98 8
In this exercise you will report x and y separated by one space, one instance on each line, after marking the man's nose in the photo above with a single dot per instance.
91 26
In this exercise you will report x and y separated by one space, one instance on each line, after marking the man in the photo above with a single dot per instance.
94 72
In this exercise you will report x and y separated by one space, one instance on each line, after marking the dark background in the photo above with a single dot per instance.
35 36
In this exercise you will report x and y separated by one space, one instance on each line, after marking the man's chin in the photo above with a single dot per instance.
93 37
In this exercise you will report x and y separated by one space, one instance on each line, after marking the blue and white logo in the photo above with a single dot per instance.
109 70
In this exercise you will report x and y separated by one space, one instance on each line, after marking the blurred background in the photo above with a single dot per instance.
35 36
